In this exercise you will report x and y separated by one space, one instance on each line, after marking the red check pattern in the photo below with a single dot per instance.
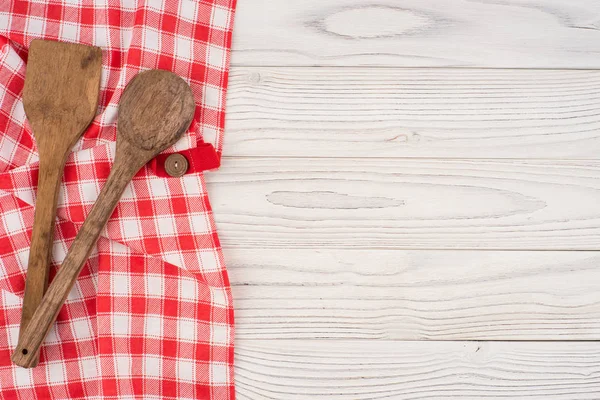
151 315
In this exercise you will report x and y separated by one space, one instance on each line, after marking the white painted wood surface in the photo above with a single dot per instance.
349 370
380 294
423 112
409 201
418 33
317 203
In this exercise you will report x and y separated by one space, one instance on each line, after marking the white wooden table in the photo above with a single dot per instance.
410 199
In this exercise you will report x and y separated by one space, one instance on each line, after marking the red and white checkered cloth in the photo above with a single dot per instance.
151 315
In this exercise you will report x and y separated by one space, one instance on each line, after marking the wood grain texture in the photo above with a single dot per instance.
397 112
155 109
363 203
407 204
60 98
370 370
414 295
419 33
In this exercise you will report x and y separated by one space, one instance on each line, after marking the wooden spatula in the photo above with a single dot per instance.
156 108
60 97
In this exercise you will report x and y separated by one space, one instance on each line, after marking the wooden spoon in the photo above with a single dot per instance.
156 108
60 97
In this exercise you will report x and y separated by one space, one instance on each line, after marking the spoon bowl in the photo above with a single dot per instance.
156 108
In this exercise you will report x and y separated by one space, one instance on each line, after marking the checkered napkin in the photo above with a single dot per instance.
151 315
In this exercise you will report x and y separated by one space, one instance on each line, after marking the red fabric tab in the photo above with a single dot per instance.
201 158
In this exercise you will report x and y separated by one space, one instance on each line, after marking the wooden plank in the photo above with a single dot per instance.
415 295
450 113
407 204
367 370
419 33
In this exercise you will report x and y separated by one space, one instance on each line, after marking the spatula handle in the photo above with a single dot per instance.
42 236
27 350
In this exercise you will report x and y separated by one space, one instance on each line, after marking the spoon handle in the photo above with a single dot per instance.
49 177
27 350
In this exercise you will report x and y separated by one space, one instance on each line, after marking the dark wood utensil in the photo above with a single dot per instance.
60 97
156 108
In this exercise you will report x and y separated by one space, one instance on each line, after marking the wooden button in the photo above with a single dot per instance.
176 165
